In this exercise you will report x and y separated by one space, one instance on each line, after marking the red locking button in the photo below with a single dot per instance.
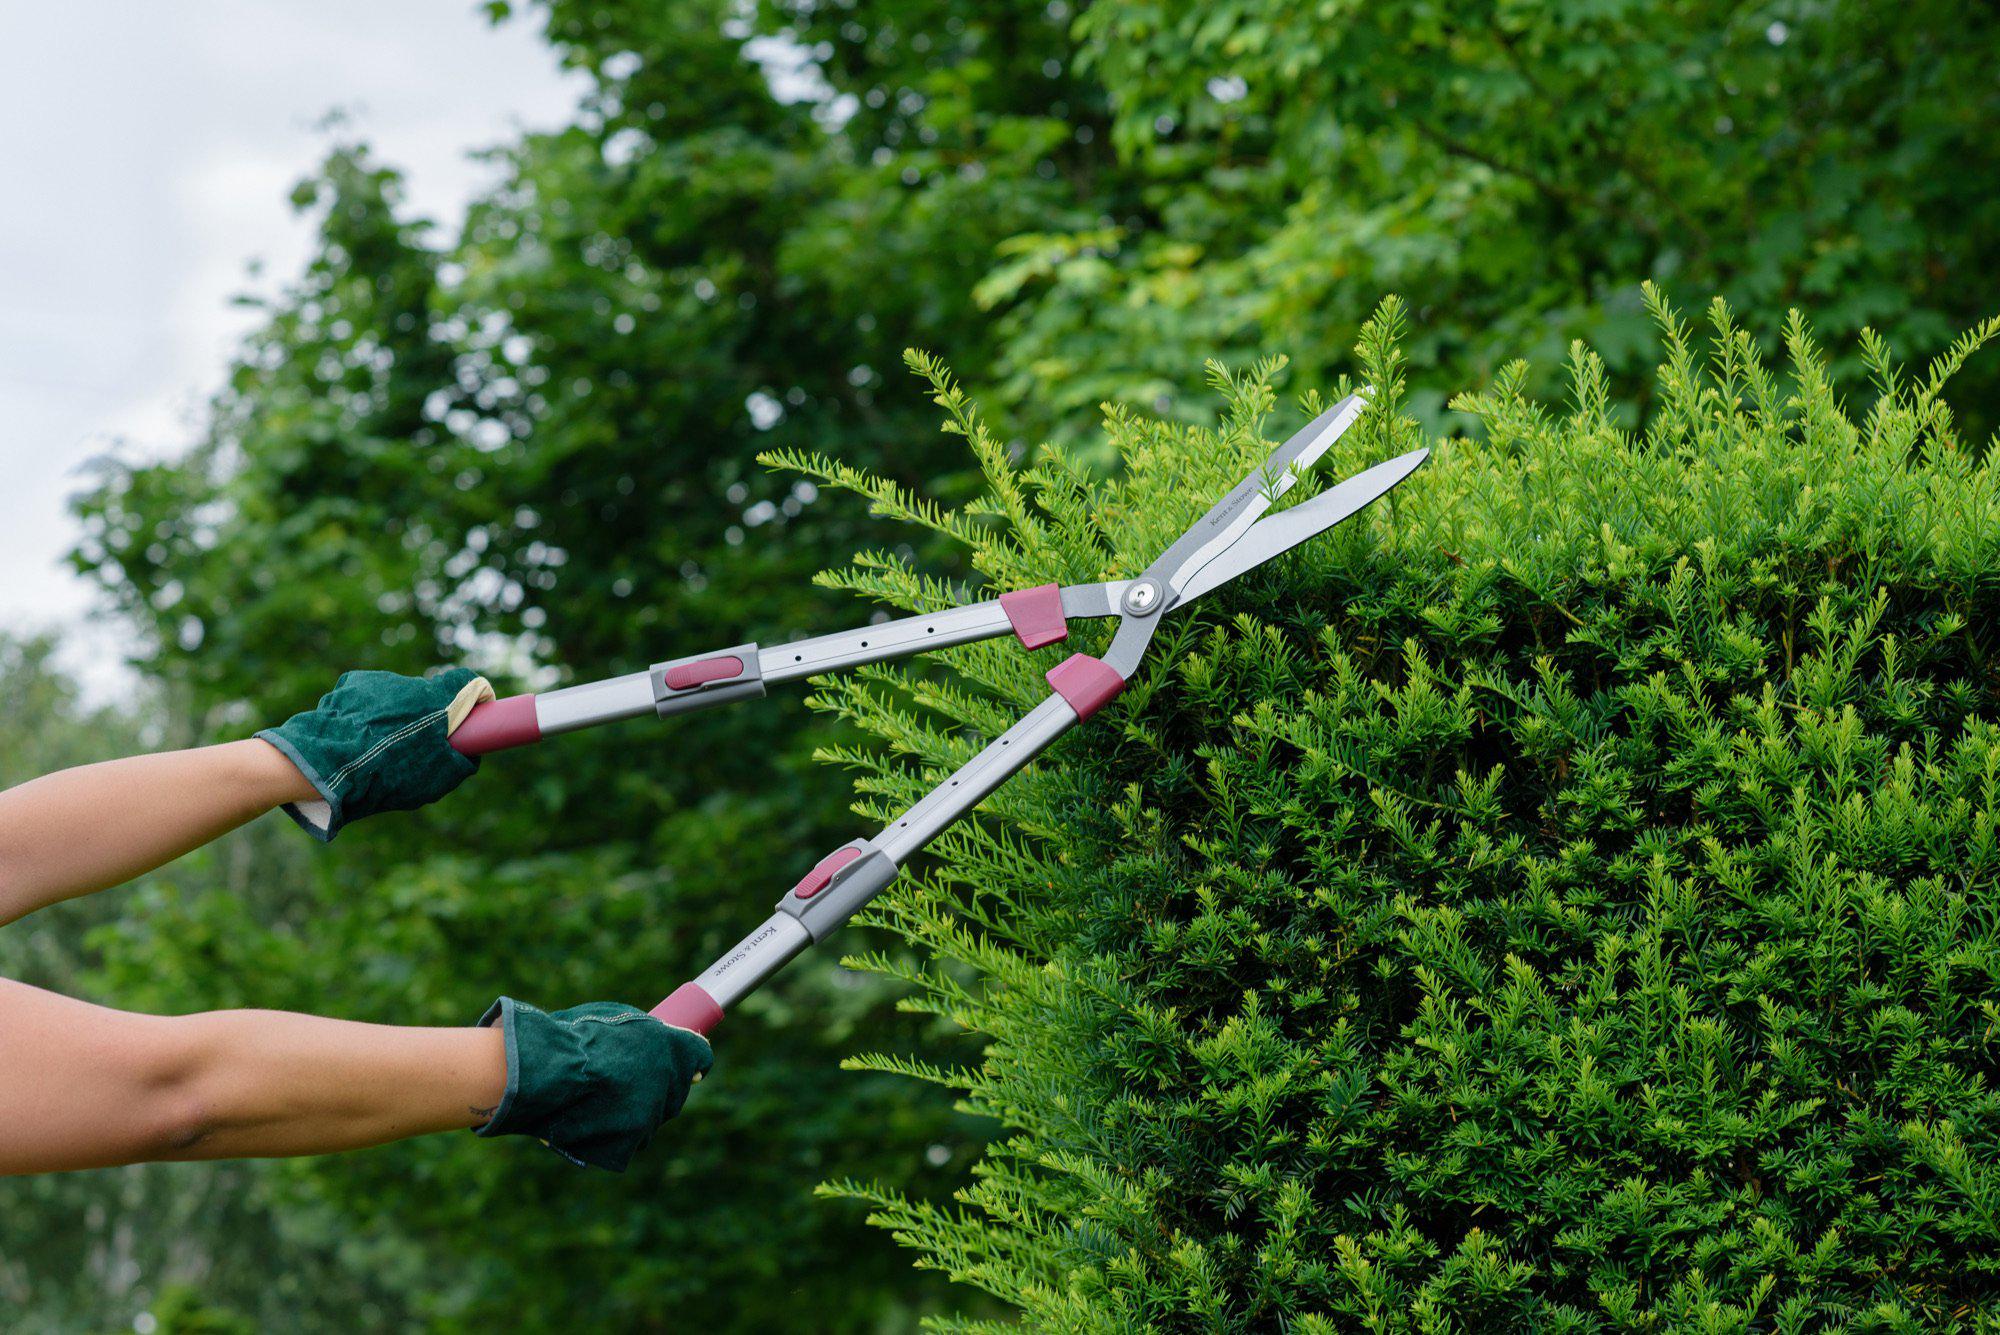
821 876
687 676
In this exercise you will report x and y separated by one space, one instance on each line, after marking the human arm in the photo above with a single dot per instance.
89 1087
83 1086
376 742
81 830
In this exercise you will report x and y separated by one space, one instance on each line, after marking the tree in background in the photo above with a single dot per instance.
1246 178
373 452
527 440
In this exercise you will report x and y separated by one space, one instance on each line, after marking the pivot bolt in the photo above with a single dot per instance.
1142 597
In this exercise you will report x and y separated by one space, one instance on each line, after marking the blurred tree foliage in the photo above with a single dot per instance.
526 440
1251 176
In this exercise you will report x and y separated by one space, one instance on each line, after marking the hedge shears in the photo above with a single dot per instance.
1233 537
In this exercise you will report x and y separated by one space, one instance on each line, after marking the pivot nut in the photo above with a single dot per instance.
1142 597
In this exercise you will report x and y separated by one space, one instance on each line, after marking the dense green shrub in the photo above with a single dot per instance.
1563 899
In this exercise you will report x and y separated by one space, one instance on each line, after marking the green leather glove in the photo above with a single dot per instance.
594 1082
376 742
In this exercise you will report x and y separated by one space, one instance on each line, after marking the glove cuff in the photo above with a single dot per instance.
506 1012
322 819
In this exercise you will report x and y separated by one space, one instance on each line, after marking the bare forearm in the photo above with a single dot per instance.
90 1087
81 830
272 1083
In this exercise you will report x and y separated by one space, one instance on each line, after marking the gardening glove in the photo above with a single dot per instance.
594 1082
377 743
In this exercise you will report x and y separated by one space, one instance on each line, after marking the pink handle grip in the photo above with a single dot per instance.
497 725
690 1007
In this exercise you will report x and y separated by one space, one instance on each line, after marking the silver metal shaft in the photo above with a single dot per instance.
754 959
890 639
607 701
999 761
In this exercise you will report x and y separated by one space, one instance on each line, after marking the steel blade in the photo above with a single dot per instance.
1280 533
1232 516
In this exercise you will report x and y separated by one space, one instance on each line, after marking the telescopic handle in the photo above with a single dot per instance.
849 877
677 686
1038 616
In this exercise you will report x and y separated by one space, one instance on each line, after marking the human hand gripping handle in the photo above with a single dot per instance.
594 1082
378 742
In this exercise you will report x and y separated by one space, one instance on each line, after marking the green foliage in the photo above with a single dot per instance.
1240 178
1560 899
525 438
181 1311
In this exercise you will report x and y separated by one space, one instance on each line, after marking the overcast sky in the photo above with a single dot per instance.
146 152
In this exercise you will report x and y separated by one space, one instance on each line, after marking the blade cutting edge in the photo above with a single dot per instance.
1272 537
1249 499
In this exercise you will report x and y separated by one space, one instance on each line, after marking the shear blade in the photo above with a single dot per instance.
1278 534
1231 517
1332 424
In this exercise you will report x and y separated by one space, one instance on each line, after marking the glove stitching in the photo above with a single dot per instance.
397 736
389 741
